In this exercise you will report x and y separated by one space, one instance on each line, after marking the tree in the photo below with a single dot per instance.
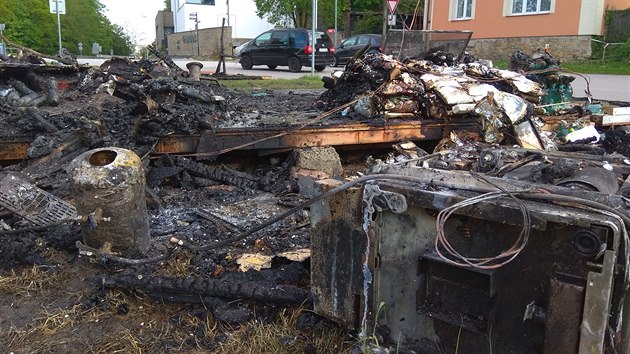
30 23
299 12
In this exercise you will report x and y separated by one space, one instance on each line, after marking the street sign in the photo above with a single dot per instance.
193 16
392 4
57 4
391 20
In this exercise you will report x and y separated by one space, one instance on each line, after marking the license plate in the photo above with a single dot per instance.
323 49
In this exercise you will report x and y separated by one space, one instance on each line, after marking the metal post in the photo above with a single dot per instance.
384 18
58 22
313 35
197 34
227 2
335 24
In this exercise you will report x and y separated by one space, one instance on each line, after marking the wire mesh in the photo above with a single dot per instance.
32 203
417 44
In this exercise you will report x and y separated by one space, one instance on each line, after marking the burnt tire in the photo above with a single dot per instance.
272 67
320 67
294 65
246 62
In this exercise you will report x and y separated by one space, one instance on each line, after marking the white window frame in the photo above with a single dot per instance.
509 8
453 10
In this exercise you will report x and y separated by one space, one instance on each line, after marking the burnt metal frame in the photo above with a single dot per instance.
327 287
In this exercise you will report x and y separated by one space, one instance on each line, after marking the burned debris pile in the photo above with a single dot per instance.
403 245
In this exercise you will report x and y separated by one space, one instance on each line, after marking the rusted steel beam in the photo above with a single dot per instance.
347 134
13 149
337 135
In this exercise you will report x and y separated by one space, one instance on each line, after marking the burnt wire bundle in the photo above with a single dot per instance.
449 254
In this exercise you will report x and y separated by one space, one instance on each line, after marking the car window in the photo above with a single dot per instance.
363 40
263 39
321 38
298 38
375 40
349 41
280 38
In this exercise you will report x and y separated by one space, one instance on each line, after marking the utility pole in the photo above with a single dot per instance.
227 2
3 48
58 23
193 16
334 45
313 37
384 19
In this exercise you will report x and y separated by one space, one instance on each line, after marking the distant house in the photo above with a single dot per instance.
502 26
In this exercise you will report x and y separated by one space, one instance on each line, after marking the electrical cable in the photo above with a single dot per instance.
85 249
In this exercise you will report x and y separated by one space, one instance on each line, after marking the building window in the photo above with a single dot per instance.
463 9
200 2
526 7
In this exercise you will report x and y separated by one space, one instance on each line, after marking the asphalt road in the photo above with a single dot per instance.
232 67
604 87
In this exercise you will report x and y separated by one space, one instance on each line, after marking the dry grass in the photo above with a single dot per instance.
177 266
281 336
29 281
41 311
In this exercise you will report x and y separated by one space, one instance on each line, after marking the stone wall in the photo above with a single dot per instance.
567 48
184 44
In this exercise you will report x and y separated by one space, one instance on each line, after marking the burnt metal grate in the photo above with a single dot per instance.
32 203
417 44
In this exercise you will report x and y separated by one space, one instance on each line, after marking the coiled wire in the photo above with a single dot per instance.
449 254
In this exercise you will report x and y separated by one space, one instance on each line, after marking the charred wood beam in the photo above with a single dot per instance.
251 291
167 60
222 174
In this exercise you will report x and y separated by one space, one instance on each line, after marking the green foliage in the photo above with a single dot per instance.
30 23
299 11
369 24
404 6
620 52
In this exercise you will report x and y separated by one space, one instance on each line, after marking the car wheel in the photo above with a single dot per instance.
320 67
295 65
272 67
246 62
335 61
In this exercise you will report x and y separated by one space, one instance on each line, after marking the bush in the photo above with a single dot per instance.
369 24
619 52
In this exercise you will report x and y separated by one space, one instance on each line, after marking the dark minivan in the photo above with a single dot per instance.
351 45
290 47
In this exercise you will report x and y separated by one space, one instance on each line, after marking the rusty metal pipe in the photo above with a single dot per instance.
194 70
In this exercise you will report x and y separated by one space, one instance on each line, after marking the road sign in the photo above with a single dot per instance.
391 20
392 4
193 16
58 4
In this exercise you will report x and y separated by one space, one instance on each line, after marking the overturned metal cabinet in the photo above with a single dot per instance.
375 269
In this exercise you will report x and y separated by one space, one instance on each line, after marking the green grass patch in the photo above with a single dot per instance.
585 67
597 67
304 82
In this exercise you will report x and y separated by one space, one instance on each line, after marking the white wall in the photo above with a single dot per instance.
243 19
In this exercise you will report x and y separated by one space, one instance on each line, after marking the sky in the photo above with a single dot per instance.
137 17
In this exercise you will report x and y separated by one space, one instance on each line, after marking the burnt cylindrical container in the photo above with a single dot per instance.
109 185
194 70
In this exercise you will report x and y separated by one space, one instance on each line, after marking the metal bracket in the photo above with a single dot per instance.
376 199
